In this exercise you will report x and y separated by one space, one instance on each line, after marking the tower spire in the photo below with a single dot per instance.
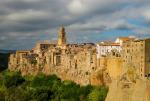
61 36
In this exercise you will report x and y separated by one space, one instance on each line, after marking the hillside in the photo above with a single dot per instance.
4 61
14 87
4 58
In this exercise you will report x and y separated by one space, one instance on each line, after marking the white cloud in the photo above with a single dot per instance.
77 7
27 19
146 15
27 15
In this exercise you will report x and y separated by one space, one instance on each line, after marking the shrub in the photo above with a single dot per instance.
98 94
14 87
12 79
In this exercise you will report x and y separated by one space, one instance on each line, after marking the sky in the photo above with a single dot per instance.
25 22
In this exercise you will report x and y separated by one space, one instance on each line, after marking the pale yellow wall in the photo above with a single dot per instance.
137 54
147 57
114 66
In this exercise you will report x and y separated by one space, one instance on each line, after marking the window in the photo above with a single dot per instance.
128 50
87 73
113 53
58 60
117 55
70 64
75 65
50 59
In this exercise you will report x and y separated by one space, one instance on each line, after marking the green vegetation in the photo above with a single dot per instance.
14 87
4 61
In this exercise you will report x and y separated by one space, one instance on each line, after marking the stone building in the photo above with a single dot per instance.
122 40
62 36
105 47
113 63
136 54
68 61
84 63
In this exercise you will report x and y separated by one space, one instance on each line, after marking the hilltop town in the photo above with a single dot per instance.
122 64
85 63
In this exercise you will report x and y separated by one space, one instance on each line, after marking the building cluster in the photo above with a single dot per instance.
85 63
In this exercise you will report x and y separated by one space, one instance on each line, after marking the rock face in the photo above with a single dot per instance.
126 90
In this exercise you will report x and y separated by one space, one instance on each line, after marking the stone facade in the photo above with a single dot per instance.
112 63
105 47
136 54
82 63
122 40
68 61
62 36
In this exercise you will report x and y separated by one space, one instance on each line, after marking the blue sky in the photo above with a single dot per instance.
25 22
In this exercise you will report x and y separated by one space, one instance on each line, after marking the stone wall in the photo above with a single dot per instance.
136 53
126 90
112 63
72 62
78 63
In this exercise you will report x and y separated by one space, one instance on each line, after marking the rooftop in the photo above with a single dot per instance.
108 43
126 38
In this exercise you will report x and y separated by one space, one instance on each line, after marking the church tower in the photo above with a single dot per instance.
61 36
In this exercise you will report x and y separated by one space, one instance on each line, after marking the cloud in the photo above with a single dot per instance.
27 15
24 22
146 16
77 7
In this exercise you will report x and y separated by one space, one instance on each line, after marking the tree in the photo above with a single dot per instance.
17 94
12 79
43 80
70 91
98 94
14 87
84 91
2 96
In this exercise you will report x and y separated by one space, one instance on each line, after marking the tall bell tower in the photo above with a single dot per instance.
61 36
